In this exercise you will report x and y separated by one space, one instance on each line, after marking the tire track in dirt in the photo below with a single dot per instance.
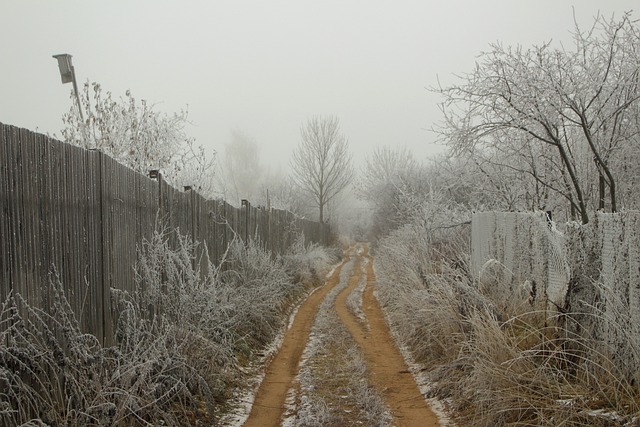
269 403
388 370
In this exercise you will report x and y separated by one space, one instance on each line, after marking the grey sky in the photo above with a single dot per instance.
264 67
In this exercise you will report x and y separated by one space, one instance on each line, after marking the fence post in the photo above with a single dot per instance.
269 243
247 206
192 206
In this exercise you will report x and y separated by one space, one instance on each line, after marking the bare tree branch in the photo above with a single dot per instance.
321 164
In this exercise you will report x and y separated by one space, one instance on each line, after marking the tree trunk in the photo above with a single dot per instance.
601 188
584 217
601 162
612 191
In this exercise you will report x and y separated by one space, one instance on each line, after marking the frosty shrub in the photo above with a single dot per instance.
518 367
180 341
256 290
174 284
51 373
308 262
230 311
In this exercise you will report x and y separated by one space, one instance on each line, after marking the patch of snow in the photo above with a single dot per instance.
303 379
244 400
600 413
354 300
329 274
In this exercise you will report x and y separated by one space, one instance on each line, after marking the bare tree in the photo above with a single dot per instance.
576 104
241 172
321 164
388 176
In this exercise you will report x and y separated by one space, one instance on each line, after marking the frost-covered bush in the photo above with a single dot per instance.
308 262
51 373
256 290
237 307
497 367
180 341
174 284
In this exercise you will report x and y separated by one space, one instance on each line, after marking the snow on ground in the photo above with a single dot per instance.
354 300
313 345
244 399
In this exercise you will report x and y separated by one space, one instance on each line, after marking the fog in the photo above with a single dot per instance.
262 68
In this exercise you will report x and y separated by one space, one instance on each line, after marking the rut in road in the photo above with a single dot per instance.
389 372
269 403
347 355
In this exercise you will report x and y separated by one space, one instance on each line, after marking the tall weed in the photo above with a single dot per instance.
180 340
497 363
51 373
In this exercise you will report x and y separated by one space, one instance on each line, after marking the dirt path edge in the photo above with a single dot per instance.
269 403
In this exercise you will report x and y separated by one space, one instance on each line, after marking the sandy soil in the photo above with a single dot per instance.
390 374
386 366
269 404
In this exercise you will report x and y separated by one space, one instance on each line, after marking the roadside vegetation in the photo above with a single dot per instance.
497 363
185 340
541 128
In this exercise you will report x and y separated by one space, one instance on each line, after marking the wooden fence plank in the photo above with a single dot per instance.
16 251
5 277
27 230
55 205
71 210
106 238
43 180
85 215
93 244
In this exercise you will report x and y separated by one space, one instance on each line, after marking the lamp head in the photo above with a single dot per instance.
66 67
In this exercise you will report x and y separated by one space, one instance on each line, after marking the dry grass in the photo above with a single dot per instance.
180 341
497 363
53 374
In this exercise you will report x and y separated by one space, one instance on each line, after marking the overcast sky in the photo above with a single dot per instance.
263 67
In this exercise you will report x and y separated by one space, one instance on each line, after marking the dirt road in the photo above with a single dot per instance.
357 332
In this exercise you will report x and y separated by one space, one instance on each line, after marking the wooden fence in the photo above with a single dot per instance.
84 215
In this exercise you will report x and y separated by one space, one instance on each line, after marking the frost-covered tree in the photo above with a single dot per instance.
389 177
278 191
242 175
576 103
321 164
384 167
241 172
136 135
509 177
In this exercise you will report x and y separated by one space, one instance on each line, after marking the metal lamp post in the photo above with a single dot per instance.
68 74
